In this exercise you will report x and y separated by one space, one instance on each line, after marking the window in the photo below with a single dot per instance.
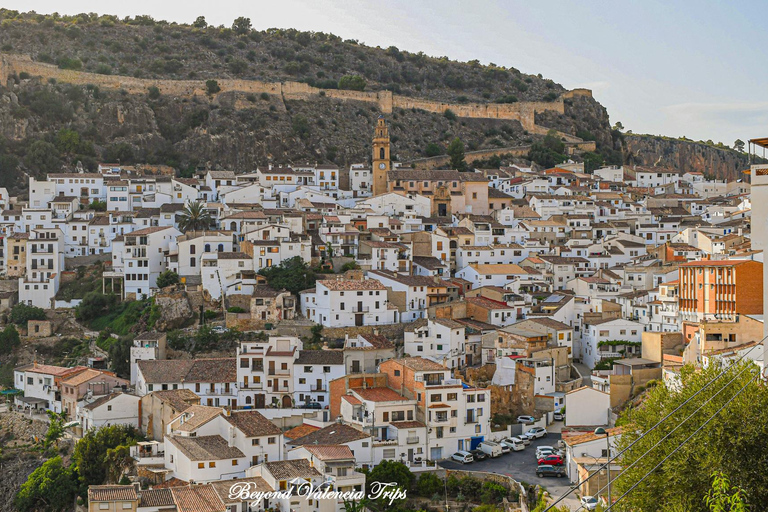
201 465
271 440
435 398
234 462
212 464
109 407
452 397
254 442
103 506
397 373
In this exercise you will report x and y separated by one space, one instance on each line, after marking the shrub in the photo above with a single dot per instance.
167 278
352 82
154 92
212 87
22 313
449 115
235 309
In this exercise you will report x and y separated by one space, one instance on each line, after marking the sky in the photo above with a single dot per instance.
675 68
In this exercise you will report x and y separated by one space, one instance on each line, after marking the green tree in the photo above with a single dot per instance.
352 83
238 66
549 152
94 305
388 471
592 161
300 126
55 428
194 217
22 313
119 356
122 152
118 460
722 497
42 156
456 153
433 149
99 206
90 455
52 487
153 92
212 87
241 25
429 484
728 445
200 22
68 141
618 126
317 333
738 145
292 274
167 278
9 339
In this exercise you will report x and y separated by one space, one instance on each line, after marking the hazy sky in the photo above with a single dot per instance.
693 68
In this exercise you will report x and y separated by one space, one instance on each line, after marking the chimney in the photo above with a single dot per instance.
231 438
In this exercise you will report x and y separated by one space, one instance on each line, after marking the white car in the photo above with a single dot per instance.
515 444
536 433
219 329
588 502
559 415
526 419
463 457
541 451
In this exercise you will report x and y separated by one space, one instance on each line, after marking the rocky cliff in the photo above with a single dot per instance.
649 150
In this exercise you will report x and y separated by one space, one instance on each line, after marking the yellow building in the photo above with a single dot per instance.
381 157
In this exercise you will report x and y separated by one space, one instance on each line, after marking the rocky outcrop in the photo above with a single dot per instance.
649 150
175 310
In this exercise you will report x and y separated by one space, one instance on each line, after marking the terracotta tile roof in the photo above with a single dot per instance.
352 399
591 436
156 498
332 434
712 263
378 341
496 269
147 231
253 424
194 417
189 370
172 482
310 357
420 364
290 469
345 285
330 451
488 303
82 377
198 498
112 493
205 448
222 487
550 323
301 430
179 399
379 395
407 424
56 371
102 400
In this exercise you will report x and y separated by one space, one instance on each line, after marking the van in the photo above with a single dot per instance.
463 457
515 443
490 448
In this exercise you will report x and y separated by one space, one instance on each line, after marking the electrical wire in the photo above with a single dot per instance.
611 505
662 420
725 386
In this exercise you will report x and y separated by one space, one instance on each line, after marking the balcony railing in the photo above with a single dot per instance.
252 385
412 439
360 309
280 371
440 419
318 387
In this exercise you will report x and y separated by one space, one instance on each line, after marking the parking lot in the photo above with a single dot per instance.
522 467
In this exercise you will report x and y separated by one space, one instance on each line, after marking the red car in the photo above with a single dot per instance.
551 460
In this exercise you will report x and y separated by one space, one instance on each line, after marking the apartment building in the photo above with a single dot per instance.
348 303
44 264
266 372
712 290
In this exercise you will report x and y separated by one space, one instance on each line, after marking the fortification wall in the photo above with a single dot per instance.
524 112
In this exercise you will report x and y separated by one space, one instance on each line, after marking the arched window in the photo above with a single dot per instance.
248 400
233 226
207 247
381 154
221 247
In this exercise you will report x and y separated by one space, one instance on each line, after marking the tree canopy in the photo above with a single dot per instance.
194 217
52 486
22 313
167 278
549 152
456 153
91 452
292 274
732 444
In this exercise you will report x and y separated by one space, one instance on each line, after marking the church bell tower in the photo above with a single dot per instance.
381 161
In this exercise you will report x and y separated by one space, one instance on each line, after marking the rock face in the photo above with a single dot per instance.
685 155
175 310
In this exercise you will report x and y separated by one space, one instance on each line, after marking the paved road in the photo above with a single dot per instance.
522 467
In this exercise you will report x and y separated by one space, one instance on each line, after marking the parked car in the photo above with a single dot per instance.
525 438
551 460
588 502
526 419
514 443
558 471
505 447
490 449
479 454
463 457
219 329
543 451
559 415
312 405
537 433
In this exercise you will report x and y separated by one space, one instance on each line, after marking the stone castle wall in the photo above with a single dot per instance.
523 111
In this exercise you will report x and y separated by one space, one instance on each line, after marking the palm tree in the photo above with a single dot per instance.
194 217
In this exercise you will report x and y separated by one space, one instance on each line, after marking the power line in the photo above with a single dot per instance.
611 505
748 368
662 420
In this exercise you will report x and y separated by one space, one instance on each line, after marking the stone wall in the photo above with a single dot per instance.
523 111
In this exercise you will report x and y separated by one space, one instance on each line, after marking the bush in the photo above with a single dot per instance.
154 92
433 149
212 87
22 313
235 309
352 83
449 115
167 278
429 484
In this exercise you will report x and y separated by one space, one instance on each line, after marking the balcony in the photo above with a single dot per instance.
412 440
273 371
318 387
470 419
384 442
440 419
280 389
252 385
360 309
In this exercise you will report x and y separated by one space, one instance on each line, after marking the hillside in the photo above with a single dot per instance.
90 88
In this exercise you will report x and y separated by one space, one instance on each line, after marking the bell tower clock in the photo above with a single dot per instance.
381 161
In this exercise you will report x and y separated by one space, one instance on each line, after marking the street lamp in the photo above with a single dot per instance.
599 431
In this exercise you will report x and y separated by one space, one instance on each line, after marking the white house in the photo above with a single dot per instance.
112 409
601 339
587 407
348 303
